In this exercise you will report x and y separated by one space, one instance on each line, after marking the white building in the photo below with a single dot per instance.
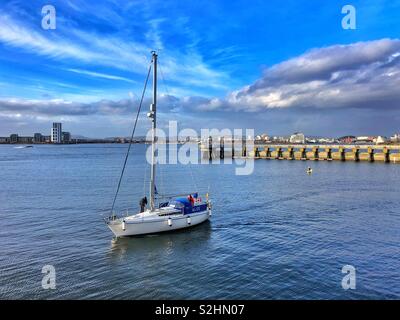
380 140
262 137
297 137
56 132
325 140
395 138
364 139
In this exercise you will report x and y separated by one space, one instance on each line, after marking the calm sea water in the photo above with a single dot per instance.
276 234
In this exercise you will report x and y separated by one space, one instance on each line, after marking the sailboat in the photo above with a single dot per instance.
179 212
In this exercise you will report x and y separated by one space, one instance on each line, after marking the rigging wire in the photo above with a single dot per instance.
193 179
173 104
130 141
144 181
165 83
166 146
161 186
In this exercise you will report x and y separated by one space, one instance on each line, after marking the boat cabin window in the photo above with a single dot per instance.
163 204
176 204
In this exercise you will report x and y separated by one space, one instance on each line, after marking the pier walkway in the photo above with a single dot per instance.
328 152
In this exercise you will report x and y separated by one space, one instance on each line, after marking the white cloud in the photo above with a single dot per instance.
15 34
359 75
100 75
181 68
360 79
363 75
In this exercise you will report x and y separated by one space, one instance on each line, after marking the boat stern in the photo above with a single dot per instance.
117 227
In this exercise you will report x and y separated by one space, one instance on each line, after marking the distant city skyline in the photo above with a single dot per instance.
261 66
56 134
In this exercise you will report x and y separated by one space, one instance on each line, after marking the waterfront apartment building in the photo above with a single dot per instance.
38 138
56 132
297 137
66 137
347 139
14 138
25 140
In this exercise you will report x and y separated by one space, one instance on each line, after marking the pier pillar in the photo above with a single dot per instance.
315 153
371 157
291 153
244 152
279 154
221 148
386 154
303 153
256 153
342 154
210 148
328 153
268 152
356 152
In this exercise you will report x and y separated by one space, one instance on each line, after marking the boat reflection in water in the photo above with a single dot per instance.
163 243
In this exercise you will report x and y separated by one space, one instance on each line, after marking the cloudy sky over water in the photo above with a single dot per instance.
272 66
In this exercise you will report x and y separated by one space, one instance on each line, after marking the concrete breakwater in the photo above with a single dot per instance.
371 153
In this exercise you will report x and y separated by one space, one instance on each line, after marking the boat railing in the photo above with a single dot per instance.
169 196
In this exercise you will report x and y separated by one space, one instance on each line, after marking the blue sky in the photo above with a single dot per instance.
274 66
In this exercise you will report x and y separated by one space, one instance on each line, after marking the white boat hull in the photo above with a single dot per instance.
125 227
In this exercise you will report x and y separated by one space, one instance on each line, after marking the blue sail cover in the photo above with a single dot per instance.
187 206
184 201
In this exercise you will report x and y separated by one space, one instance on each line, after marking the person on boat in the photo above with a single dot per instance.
143 203
191 199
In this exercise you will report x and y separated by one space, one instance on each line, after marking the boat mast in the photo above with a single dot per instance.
152 115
